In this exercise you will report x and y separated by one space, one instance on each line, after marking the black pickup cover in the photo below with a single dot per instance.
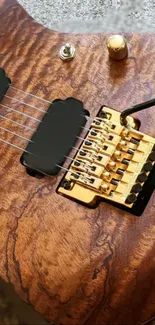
55 136
4 83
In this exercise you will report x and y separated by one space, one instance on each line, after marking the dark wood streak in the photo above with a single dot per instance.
72 264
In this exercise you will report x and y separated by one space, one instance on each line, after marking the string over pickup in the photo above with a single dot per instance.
55 136
4 83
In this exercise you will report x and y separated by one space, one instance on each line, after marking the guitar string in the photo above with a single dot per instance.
39 109
17 135
83 139
21 113
25 127
45 100
77 160
19 124
32 95
26 115
45 174
25 103
29 116
15 146
77 149
24 138
72 159
62 168
22 126
34 107
23 150
148 321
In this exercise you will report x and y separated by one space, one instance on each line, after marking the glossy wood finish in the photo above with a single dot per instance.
72 264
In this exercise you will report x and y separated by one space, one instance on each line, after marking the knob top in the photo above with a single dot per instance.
117 47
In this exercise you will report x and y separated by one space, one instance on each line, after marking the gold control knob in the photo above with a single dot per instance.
117 47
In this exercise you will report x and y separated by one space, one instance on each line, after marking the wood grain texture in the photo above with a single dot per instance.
72 264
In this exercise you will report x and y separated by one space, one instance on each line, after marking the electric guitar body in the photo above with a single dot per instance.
75 263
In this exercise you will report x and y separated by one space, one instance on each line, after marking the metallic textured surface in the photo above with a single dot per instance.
93 16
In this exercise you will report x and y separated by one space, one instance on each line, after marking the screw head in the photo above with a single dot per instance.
66 184
112 165
105 188
117 155
67 52
106 176
132 198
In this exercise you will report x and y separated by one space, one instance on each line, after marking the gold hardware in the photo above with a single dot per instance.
117 47
106 176
67 52
115 168
111 165
125 134
105 188
118 155
123 145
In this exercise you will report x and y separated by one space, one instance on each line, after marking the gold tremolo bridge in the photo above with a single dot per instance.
113 163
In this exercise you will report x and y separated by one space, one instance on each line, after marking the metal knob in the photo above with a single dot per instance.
67 52
117 47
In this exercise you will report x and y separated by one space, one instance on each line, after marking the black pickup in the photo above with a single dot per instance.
55 136
5 83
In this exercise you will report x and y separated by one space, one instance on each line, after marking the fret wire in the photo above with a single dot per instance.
22 125
21 113
25 92
17 135
24 103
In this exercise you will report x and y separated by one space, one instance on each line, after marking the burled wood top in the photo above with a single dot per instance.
72 264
